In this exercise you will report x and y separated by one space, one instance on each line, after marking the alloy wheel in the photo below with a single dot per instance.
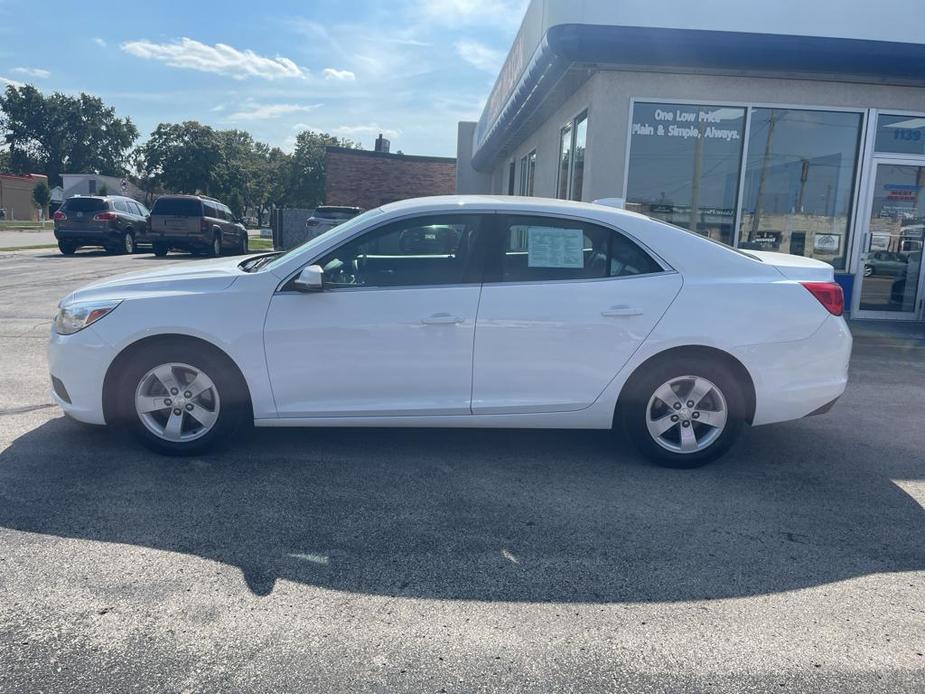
177 402
686 414
129 244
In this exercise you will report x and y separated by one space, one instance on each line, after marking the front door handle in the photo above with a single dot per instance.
442 319
621 312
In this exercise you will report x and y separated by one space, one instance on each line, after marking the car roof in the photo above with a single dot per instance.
512 203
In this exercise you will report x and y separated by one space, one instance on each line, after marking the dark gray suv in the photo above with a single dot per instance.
111 221
195 223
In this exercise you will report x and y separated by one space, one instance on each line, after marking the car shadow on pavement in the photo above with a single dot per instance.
484 515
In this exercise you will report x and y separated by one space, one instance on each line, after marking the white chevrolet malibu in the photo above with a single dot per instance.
463 312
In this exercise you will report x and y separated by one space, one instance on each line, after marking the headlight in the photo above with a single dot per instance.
79 315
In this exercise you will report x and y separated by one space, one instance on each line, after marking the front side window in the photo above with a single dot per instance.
565 161
685 163
799 183
542 249
578 156
423 251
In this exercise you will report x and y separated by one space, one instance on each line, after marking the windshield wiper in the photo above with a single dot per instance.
255 264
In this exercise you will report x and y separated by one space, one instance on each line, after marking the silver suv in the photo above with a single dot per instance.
327 217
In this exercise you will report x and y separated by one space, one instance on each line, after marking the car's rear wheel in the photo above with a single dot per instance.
66 248
180 401
128 243
684 413
161 249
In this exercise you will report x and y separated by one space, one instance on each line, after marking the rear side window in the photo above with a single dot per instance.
83 205
543 249
177 207
120 205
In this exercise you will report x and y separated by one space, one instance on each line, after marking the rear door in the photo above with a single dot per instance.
176 217
565 305
80 213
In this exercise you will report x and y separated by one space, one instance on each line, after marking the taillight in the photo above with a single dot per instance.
829 294
60 216
104 216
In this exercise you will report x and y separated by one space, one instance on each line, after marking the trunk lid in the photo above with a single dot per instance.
796 267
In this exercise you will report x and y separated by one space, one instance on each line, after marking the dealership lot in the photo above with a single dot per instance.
343 560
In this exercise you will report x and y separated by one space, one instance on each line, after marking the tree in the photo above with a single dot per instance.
4 160
41 196
307 175
59 133
183 158
103 189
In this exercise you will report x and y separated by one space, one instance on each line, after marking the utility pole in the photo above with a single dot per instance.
756 216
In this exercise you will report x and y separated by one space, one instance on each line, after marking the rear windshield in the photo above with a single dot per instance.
178 207
336 212
83 205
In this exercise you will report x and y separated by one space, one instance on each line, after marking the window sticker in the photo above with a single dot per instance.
555 248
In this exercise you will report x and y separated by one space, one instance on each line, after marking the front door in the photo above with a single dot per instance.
890 272
392 332
565 305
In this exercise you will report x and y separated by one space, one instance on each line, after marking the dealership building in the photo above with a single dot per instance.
791 126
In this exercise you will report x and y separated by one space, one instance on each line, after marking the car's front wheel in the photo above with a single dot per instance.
684 413
181 401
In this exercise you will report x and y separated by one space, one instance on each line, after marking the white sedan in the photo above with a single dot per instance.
463 312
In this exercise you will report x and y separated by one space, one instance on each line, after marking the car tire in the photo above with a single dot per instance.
688 440
161 249
223 406
868 271
66 248
215 249
128 243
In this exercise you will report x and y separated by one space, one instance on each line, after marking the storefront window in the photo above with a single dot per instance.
531 172
565 161
685 163
578 168
901 134
799 180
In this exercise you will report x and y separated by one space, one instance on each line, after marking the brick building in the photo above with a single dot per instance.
368 179
16 197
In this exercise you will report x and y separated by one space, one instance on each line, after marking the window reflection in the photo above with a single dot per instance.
685 163
799 180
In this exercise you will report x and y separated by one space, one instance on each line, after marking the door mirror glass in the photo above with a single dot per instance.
311 279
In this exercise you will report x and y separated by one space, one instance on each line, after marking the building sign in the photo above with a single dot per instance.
827 243
687 123
901 134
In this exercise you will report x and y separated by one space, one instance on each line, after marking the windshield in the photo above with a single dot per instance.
178 207
307 248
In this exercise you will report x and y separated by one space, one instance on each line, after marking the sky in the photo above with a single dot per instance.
410 69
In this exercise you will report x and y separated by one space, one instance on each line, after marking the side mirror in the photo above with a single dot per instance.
311 279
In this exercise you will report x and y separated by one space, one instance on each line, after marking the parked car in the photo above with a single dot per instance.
197 224
885 263
327 217
112 221
463 312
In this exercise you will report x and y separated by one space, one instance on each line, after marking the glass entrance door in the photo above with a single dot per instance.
890 272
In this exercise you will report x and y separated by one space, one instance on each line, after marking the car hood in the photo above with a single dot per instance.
193 276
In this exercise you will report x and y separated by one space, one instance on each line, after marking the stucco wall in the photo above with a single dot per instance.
607 96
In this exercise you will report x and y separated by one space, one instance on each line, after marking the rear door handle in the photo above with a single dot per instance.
621 312
442 319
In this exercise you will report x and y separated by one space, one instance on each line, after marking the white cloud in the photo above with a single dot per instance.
480 56
220 59
264 111
99 42
454 12
12 83
32 72
216 109
331 73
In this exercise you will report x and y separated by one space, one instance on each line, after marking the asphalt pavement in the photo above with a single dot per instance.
455 561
